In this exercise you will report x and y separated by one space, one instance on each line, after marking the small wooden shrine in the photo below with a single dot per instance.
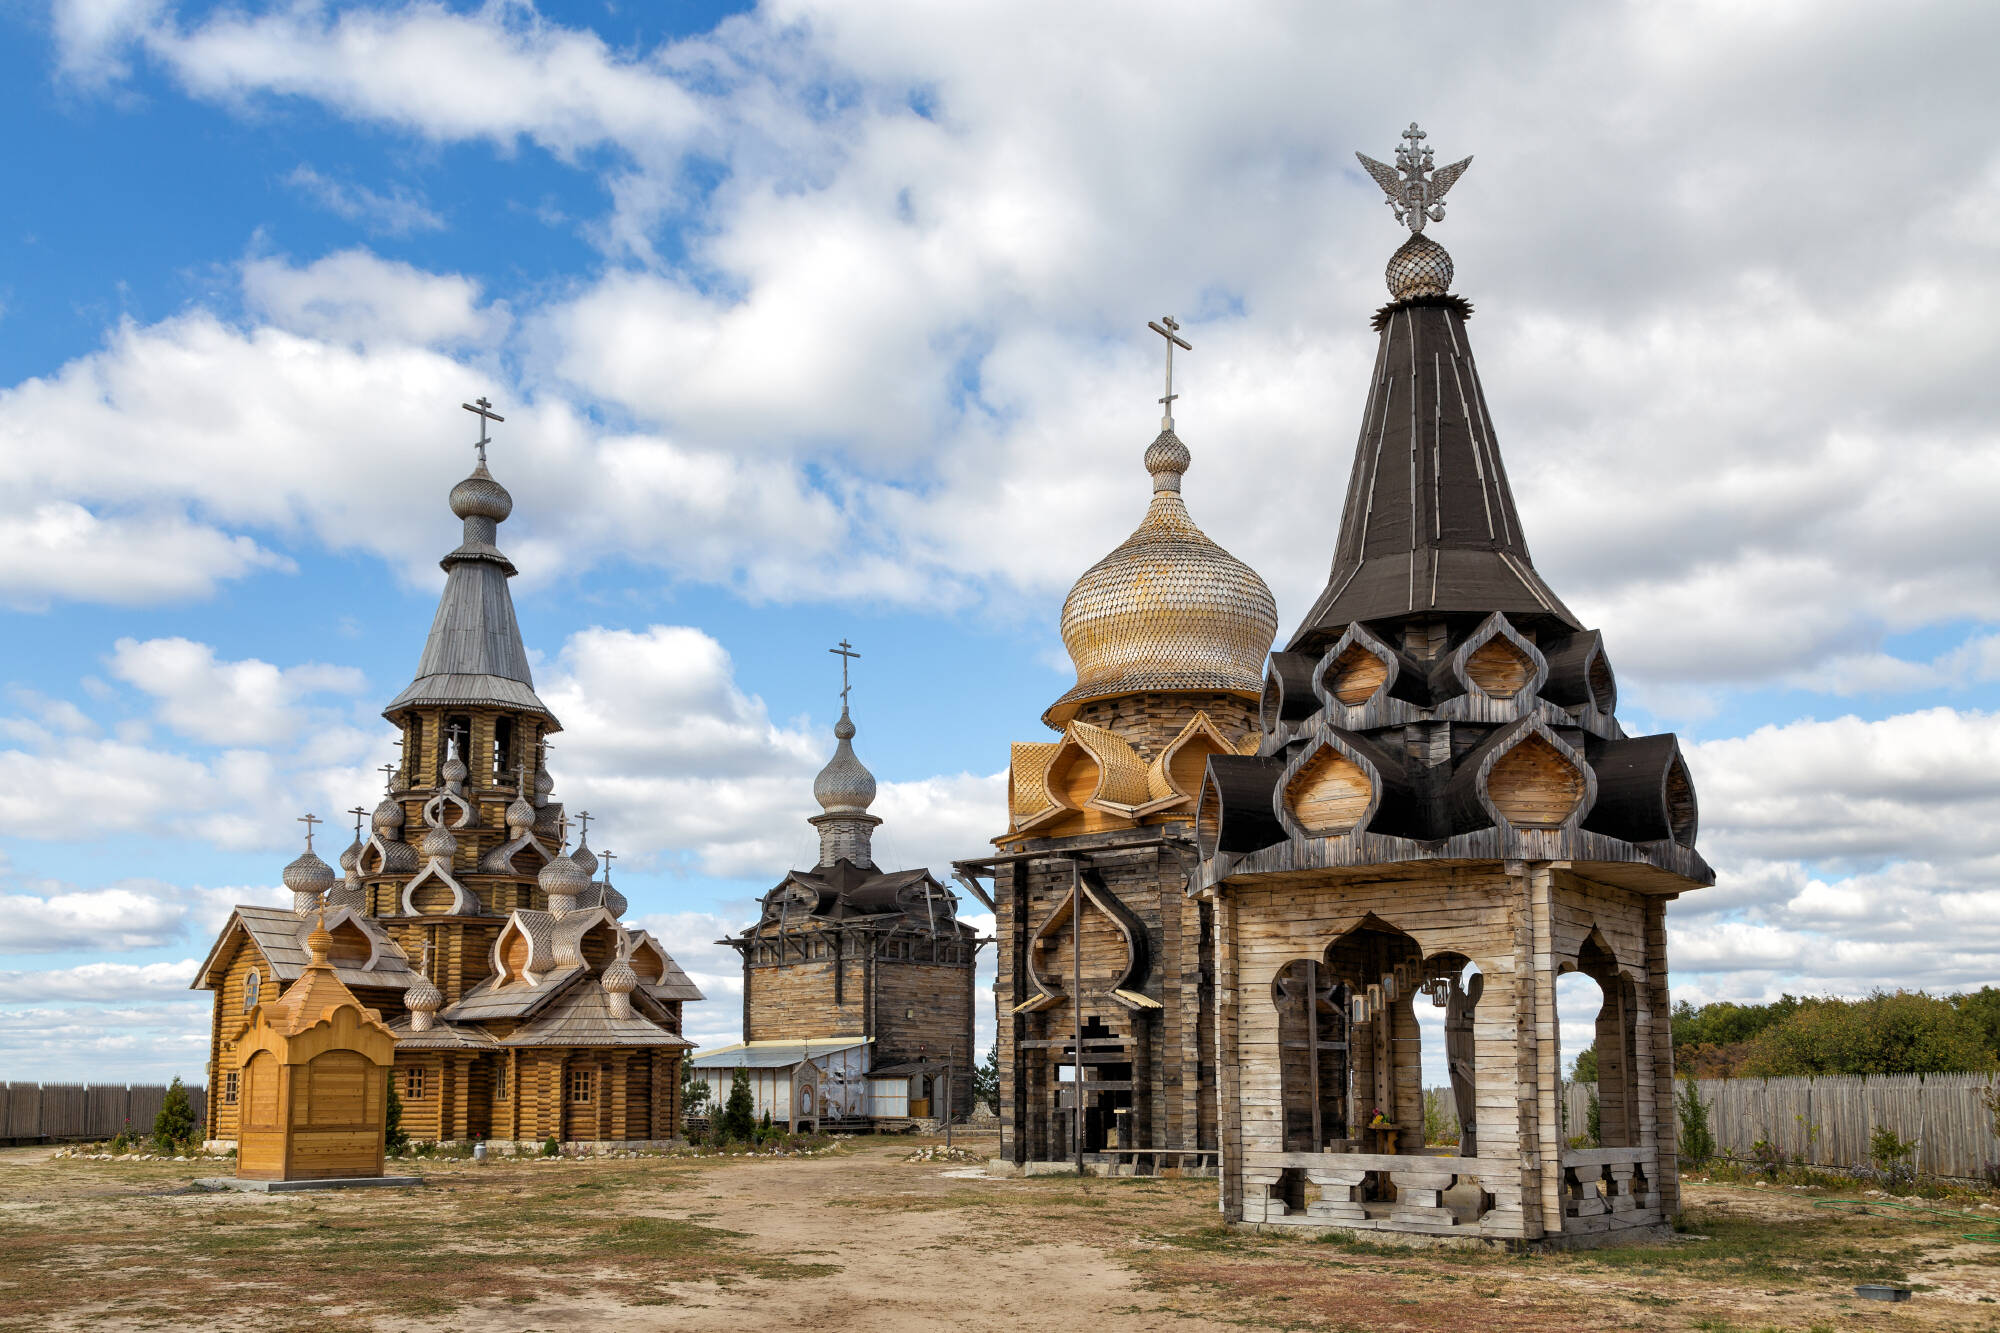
1106 1037
524 1007
1442 809
858 1001
313 1070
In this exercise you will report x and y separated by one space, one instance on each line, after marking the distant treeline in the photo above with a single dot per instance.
1889 1032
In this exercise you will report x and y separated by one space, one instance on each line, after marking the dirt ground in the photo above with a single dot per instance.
866 1240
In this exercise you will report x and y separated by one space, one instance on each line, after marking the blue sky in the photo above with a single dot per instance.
820 321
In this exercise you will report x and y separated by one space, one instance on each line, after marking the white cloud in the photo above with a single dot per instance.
248 702
397 213
119 983
60 549
353 296
132 914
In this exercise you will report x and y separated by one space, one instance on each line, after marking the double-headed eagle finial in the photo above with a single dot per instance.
1415 188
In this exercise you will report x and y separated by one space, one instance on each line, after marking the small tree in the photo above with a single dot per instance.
1593 1121
1697 1140
986 1080
1585 1069
174 1126
739 1113
394 1140
694 1094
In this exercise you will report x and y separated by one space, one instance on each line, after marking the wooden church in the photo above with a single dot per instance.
523 1006
1106 1044
1440 809
858 1000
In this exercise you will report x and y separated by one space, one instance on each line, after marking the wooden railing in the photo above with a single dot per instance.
1385 1191
1608 1187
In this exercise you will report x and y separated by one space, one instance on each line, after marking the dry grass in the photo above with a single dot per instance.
869 1240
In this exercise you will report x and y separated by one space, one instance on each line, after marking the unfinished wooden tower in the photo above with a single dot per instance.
857 981
1106 1048
1443 809
524 1008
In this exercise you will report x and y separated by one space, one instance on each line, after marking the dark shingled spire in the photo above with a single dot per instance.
1430 524
474 654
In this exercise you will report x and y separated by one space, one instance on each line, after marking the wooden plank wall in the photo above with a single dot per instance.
85 1110
1827 1121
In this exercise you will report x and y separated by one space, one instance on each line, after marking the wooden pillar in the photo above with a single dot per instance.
1229 1088
1666 1178
1528 1122
1548 1046
1186 1120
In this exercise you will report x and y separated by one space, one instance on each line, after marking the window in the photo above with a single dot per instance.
229 1088
503 750
413 1084
579 1085
413 751
253 986
499 1085
458 740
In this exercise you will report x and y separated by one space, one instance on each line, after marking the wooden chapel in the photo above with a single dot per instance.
1106 1048
1442 809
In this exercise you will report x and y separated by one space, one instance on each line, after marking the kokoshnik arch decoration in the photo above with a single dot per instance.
1441 807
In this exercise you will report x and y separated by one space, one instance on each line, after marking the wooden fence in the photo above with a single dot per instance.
85 1110
1828 1121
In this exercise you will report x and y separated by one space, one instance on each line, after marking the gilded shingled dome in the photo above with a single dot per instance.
1168 609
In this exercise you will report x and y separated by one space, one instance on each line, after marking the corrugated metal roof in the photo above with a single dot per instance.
774 1054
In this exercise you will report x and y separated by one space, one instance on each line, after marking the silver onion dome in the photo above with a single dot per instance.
844 786
389 817
479 496
586 860
562 877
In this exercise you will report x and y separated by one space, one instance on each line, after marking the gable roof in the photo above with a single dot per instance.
582 1016
279 935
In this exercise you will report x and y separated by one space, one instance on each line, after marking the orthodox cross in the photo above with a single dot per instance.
608 856
844 652
309 821
1171 331
359 814
482 409
388 772
583 818
1416 191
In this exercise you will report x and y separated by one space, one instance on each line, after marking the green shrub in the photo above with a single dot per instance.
1697 1141
738 1121
394 1140
550 1148
1593 1121
174 1127
1892 1155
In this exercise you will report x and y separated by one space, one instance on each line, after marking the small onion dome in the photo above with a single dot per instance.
479 496
520 816
544 784
307 878
388 818
1168 609
586 860
319 943
844 786
454 771
351 858
1420 267
614 901
619 981
423 999
562 877
439 843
